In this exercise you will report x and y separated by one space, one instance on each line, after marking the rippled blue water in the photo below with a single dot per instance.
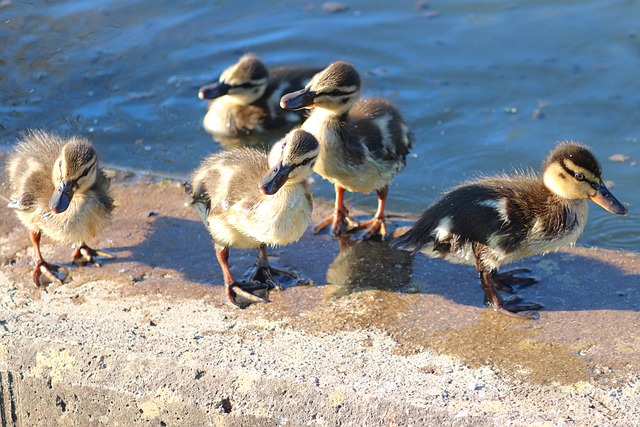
468 76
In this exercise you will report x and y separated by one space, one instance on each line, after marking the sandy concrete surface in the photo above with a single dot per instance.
380 339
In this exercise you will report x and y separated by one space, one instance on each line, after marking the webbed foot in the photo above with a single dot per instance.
507 280
52 273
341 223
243 294
266 275
514 306
84 255
375 228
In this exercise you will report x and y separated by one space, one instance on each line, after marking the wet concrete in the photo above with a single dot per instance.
380 338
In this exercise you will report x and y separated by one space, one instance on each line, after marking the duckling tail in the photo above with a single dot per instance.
407 242
201 201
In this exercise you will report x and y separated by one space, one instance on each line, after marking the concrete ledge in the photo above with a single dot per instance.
148 340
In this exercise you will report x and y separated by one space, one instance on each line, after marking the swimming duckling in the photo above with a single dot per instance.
59 189
493 221
245 99
363 142
249 200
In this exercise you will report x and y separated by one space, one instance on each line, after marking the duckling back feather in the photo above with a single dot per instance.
514 217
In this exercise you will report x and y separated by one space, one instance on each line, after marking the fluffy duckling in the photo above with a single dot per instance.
493 221
245 98
59 189
363 142
249 200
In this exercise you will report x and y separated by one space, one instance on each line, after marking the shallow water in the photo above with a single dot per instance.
485 86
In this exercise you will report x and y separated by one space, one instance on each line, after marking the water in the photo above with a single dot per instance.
469 80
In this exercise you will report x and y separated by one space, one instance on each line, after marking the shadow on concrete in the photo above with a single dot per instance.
568 281
177 244
583 279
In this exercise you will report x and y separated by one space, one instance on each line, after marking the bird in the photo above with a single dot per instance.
245 99
495 220
250 199
363 142
59 189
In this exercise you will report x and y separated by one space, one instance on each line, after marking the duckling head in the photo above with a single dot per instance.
243 82
74 171
571 171
291 160
335 89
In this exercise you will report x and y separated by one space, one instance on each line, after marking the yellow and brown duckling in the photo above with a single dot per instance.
250 200
245 98
363 142
493 221
59 189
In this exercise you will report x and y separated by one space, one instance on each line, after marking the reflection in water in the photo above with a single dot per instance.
368 265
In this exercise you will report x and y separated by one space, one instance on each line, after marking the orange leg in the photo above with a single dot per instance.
340 221
232 288
376 225
54 273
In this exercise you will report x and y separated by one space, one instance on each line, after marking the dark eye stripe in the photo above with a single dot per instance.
86 171
304 162
573 174
336 92
245 85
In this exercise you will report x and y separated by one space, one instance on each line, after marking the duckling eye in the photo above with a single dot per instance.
579 176
86 171
334 92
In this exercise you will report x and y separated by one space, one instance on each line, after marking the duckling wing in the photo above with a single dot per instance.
244 120
23 203
228 181
200 200
470 213
382 129
102 191
31 185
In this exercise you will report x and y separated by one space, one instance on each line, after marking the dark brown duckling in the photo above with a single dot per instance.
493 221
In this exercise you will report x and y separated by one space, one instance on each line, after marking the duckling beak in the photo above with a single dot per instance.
62 197
213 90
605 199
298 100
275 179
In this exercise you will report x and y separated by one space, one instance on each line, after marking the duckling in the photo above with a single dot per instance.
250 200
245 98
59 189
363 142
493 221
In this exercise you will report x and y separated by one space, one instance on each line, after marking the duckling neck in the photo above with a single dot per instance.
562 218
332 132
